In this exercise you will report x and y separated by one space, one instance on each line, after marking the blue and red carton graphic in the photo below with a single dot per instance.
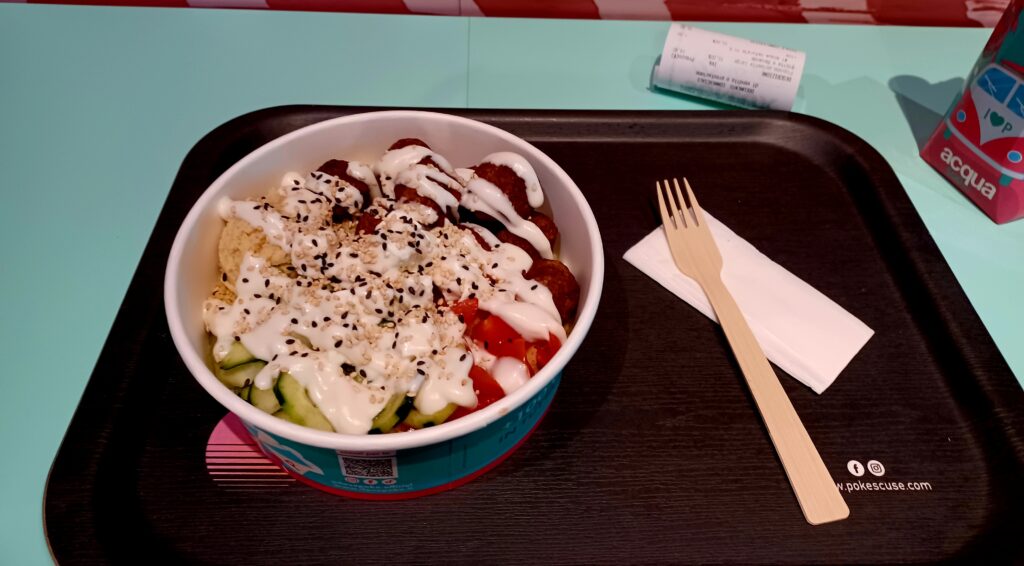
979 145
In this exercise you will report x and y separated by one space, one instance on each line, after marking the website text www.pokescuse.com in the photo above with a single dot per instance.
851 486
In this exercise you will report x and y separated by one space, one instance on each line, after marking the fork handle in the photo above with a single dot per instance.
815 490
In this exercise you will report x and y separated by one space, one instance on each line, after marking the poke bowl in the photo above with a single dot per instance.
386 300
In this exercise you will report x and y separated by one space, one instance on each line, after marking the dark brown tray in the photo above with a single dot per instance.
652 451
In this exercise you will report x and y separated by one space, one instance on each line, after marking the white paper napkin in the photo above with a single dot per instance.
800 329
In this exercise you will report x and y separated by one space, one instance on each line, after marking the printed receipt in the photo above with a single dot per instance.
729 69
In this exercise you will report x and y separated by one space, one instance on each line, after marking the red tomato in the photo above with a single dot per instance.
499 338
487 389
467 309
487 392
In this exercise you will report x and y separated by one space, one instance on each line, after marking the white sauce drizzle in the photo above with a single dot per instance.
510 373
483 196
359 324
524 170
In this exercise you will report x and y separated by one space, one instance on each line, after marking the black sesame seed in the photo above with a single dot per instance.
224 277
533 288
313 324
338 344
420 371
348 368
245 280
362 372
304 354
494 266
289 341
378 311
246 311
293 352
462 358
462 319
258 296
295 321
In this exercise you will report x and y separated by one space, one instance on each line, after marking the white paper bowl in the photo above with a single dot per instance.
421 461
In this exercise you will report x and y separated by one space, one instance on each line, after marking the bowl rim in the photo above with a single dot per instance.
383 442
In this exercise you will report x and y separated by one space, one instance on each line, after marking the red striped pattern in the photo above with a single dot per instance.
902 12
236 463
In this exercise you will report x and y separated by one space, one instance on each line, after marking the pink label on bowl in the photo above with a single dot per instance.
236 463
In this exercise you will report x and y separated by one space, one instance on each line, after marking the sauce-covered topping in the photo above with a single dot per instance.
357 317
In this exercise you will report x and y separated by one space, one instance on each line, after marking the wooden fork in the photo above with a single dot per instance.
697 256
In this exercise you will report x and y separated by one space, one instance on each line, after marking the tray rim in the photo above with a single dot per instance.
913 239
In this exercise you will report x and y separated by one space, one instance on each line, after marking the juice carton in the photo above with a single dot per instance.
979 145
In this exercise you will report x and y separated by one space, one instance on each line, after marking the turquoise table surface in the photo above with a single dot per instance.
100 105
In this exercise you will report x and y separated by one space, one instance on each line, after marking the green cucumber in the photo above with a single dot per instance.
398 408
284 416
297 406
264 400
237 355
240 376
416 419
246 392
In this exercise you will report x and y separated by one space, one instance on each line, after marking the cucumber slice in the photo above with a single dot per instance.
246 392
284 416
237 356
416 419
297 406
264 400
240 376
398 408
